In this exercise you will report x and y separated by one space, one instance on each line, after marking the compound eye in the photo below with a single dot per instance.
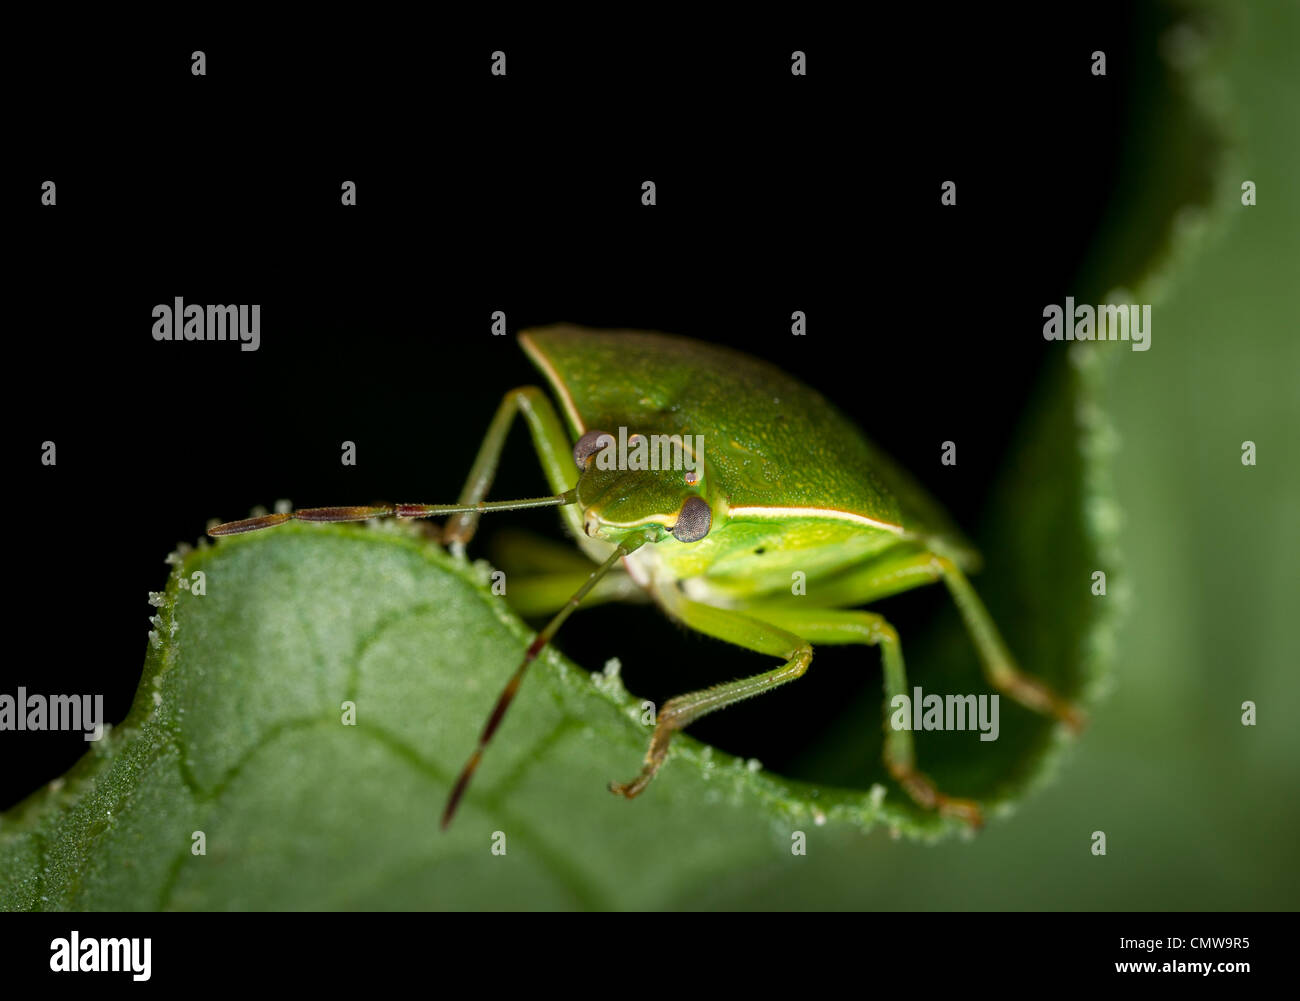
588 445
695 520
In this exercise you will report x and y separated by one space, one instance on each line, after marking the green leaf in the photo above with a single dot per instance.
237 731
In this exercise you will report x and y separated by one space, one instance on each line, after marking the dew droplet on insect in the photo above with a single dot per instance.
877 795
612 667
283 506
754 765
819 818
156 598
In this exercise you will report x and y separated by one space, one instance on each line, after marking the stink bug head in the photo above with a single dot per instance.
657 502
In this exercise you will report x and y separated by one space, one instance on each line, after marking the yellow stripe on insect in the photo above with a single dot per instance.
557 383
777 513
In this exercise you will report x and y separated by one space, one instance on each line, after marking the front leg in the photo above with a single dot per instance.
554 449
734 627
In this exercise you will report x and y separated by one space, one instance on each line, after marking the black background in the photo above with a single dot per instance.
475 193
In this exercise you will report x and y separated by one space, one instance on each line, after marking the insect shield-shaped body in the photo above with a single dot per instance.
713 483
789 482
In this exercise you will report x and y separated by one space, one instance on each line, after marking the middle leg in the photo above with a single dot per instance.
894 573
835 627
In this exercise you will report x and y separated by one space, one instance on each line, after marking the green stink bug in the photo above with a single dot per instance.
772 483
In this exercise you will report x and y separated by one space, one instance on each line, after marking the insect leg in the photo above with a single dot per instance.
999 665
832 626
891 574
680 712
554 449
